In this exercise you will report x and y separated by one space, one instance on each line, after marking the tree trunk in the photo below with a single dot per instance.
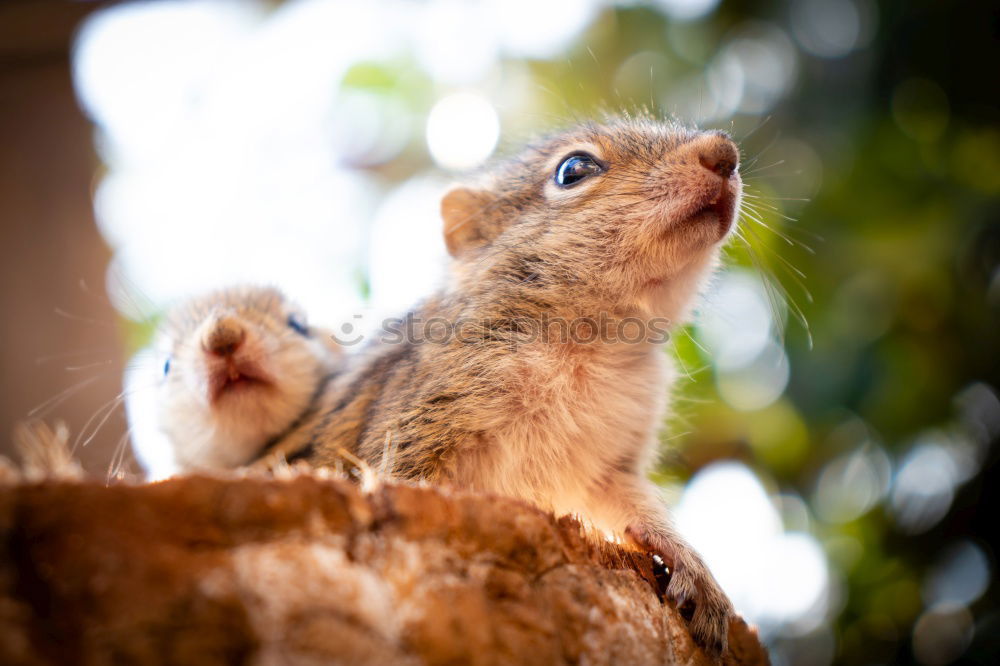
307 570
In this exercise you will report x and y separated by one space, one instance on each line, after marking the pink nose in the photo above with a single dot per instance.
719 155
223 337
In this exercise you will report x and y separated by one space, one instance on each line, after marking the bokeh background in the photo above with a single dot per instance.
834 447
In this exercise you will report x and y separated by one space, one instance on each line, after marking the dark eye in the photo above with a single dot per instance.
166 368
298 325
575 168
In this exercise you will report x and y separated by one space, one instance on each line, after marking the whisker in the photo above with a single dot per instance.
115 466
107 409
777 288
751 132
80 318
770 291
755 217
762 198
56 400
774 211
88 366
39 360
763 168
797 275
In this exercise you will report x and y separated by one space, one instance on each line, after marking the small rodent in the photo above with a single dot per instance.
237 369
607 224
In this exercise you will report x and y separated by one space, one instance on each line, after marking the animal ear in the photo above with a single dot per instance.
465 214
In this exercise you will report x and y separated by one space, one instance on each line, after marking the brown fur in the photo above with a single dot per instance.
45 453
567 425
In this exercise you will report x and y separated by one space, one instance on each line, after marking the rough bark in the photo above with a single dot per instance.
307 570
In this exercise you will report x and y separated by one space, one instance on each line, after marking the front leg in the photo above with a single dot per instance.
630 505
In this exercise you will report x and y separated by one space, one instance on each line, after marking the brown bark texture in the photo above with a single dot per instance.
310 570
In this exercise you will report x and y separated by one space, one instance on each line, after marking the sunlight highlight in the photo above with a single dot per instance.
778 579
462 131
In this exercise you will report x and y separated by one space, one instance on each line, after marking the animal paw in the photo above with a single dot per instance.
690 587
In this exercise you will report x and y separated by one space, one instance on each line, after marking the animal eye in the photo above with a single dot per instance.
166 367
575 168
298 325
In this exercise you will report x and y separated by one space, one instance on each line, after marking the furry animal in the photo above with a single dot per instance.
237 369
518 376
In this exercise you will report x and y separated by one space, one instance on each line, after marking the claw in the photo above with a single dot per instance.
662 574
688 585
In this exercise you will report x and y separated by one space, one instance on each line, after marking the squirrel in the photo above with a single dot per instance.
238 368
531 388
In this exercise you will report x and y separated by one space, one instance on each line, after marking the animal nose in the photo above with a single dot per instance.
224 336
719 155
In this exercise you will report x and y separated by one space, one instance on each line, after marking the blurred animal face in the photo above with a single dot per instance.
244 365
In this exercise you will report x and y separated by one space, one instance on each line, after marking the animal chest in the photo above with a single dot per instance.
571 418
